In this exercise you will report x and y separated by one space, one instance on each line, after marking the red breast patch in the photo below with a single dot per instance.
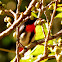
30 28
20 49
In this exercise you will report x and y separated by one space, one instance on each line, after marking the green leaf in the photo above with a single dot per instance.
39 33
39 49
59 7
50 42
59 15
26 7
32 13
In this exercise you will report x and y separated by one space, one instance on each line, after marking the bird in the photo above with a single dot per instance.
28 32
27 35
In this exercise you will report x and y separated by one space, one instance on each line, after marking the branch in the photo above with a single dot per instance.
27 12
43 30
42 10
46 18
17 45
39 15
5 50
49 4
18 6
49 45
47 37
16 23
44 57
56 35
7 12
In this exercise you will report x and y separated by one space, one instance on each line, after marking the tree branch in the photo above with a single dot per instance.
12 13
44 57
5 50
18 6
17 45
46 18
47 37
16 23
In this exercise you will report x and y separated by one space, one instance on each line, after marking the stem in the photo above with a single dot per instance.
47 37
17 45
18 6
46 18
5 50
43 31
44 57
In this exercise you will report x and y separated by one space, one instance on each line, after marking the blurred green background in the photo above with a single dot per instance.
9 42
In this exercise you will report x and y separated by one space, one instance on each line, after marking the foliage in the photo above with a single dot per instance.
45 47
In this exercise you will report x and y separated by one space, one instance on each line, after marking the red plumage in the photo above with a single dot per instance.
30 28
20 49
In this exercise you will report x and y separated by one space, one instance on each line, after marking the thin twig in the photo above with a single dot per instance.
6 50
12 13
18 6
52 56
39 15
43 30
32 3
40 10
56 35
44 57
48 5
17 45
49 45
46 18
47 37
